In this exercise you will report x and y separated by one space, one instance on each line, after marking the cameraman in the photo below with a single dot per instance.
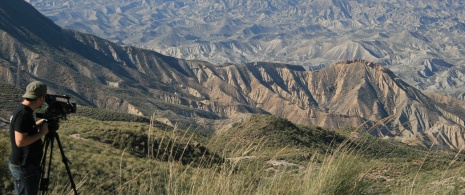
26 142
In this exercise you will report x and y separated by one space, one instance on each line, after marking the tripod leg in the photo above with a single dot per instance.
44 177
65 161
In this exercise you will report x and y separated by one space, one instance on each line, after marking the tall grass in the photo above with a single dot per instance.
340 171
343 169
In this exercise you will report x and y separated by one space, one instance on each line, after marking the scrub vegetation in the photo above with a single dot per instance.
263 155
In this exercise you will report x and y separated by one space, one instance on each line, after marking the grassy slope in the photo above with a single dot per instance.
107 154
135 157
108 157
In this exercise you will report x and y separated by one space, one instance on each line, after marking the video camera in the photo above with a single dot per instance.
56 109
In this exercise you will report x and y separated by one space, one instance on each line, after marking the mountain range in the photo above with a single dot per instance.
209 97
420 41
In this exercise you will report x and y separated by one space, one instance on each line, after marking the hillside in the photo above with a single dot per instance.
11 97
131 157
277 133
202 96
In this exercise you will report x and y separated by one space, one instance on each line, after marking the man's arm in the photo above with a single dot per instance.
23 139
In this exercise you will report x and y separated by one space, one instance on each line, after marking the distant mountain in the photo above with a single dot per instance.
100 73
407 36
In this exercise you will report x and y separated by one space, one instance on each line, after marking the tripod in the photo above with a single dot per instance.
44 181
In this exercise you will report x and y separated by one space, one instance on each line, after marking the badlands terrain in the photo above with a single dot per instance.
420 41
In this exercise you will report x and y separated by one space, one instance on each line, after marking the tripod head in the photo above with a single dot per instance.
53 124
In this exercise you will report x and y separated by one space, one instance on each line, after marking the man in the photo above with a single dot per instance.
26 143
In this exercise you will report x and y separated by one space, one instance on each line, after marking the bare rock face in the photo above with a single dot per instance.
350 93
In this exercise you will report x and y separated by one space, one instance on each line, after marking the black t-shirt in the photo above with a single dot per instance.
23 121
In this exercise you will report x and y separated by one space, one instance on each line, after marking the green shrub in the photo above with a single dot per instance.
6 185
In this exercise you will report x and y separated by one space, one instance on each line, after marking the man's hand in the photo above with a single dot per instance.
39 122
43 128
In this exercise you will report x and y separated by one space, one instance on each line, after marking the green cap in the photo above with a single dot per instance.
35 90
